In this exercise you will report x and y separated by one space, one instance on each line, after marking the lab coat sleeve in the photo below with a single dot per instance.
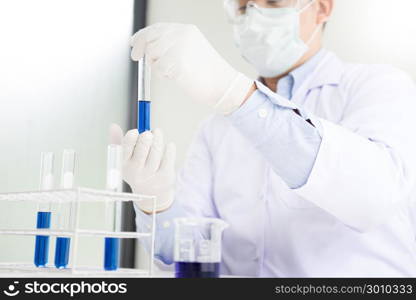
284 137
365 168
193 198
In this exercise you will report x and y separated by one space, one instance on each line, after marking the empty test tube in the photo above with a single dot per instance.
44 210
143 101
64 210
114 184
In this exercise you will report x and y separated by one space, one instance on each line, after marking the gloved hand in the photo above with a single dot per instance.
149 168
181 53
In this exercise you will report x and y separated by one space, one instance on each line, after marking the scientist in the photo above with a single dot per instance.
312 165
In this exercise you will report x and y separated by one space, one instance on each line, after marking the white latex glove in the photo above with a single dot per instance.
149 168
181 53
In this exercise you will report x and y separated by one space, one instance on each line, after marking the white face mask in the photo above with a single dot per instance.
269 39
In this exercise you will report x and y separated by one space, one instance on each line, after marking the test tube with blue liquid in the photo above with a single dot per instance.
143 100
44 210
114 184
64 210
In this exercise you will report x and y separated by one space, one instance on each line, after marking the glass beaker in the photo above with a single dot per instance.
198 247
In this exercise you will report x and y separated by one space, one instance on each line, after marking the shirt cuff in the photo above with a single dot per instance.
277 128
266 94
256 101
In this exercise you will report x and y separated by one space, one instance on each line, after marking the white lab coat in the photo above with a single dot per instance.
352 218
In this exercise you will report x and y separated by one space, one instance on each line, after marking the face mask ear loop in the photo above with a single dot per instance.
314 34
306 6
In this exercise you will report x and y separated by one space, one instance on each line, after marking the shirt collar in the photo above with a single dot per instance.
287 86
328 72
302 73
324 68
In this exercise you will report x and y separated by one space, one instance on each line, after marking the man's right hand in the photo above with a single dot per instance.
149 168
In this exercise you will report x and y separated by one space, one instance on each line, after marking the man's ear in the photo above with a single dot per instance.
325 8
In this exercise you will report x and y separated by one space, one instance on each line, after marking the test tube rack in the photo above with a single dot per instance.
75 197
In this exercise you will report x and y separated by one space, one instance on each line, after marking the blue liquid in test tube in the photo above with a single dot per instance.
143 103
62 252
114 184
44 211
42 242
143 120
63 244
111 253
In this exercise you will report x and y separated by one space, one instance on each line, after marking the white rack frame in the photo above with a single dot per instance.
76 197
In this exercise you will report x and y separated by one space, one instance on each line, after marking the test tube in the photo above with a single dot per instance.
114 184
44 210
64 209
143 100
